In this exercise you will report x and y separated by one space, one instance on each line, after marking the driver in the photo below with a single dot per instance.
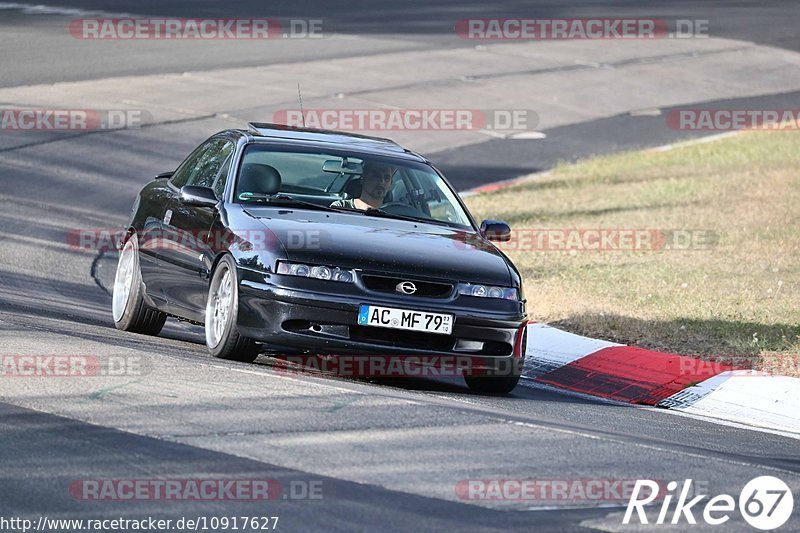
376 179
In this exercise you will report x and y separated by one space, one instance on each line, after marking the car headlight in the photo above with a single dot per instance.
487 291
315 271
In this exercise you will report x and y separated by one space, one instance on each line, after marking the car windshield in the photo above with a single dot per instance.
403 189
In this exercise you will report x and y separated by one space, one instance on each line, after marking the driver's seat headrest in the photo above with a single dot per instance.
259 179
352 189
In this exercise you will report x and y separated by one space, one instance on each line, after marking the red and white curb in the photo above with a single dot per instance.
645 377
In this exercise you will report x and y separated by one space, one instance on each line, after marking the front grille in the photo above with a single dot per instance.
424 288
402 339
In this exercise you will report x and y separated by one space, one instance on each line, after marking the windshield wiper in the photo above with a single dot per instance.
284 200
377 212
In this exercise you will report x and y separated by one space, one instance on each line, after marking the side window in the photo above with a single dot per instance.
202 167
182 174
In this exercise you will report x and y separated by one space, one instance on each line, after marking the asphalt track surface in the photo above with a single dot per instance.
387 453
393 24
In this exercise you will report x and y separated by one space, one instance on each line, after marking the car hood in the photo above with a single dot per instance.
383 245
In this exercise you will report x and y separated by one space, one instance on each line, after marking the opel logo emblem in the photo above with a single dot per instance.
406 287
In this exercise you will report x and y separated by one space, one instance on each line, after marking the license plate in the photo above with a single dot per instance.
388 317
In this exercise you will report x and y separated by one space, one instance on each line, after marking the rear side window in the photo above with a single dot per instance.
203 166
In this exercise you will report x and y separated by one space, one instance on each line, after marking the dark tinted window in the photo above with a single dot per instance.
204 164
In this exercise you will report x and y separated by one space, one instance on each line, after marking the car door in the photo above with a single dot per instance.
185 251
156 272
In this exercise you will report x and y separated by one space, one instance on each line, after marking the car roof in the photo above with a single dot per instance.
267 132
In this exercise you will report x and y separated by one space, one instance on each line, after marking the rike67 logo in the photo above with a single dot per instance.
765 503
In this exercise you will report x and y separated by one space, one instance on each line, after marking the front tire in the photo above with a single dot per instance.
222 306
492 384
128 308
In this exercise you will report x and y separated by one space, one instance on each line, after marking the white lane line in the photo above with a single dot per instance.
529 135
555 348
729 423
652 112
708 418
535 385
663 449
507 134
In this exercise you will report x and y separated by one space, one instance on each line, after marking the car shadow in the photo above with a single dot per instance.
447 384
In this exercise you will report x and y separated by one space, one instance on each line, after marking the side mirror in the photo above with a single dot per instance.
495 230
164 175
198 196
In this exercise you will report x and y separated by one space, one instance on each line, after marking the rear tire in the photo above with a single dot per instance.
222 306
492 384
128 308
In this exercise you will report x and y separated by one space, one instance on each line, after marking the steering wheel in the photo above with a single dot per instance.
399 208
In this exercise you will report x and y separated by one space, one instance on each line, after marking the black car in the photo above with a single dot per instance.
273 237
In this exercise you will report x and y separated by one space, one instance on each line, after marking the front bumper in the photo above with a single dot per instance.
322 322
